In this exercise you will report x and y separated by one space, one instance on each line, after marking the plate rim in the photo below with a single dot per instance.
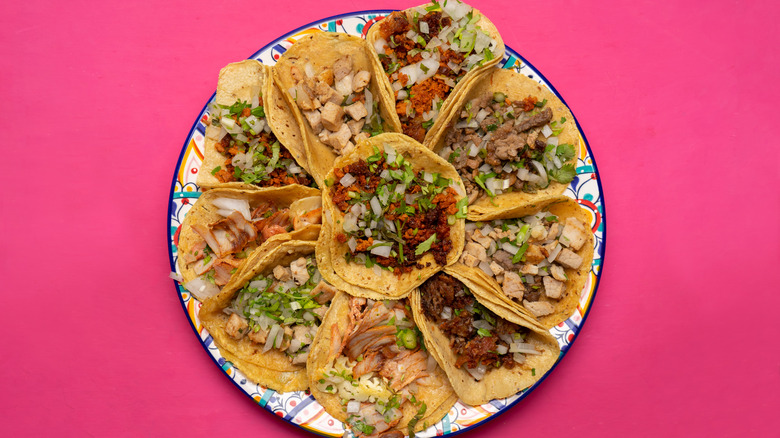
602 211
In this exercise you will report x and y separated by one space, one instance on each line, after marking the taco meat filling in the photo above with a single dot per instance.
376 366
395 215
425 53
528 256
282 309
227 242
500 146
480 339
337 103
254 155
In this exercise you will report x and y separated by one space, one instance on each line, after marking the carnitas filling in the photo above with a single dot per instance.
394 215
528 256
337 103
254 155
379 363
425 54
480 339
498 146
224 244
283 309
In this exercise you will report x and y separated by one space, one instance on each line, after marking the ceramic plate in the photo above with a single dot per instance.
300 408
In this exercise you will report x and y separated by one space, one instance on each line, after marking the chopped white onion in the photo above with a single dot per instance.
382 251
508 247
376 208
485 266
379 45
477 373
201 288
272 335
353 407
501 349
482 324
232 204
423 27
554 253
546 131
347 180
446 312
542 172
352 243
481 115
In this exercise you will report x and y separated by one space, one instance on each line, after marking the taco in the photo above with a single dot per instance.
226 227
251 140
431 54
538 261
488 350
396 211
369 369
329 83
266 320
512 141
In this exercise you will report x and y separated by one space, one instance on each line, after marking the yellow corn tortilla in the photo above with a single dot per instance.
563 207
516 87
497 382
242 80
438 397
271 369
205 213
321 50
385 284
458 93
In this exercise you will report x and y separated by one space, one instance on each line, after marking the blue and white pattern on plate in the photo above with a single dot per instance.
300 408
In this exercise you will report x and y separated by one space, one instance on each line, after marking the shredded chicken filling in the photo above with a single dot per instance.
376 365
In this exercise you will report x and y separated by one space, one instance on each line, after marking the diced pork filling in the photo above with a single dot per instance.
337 103
281 310
481 339
528 257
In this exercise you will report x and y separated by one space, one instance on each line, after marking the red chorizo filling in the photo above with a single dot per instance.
253 154
394 215
480 339
424 53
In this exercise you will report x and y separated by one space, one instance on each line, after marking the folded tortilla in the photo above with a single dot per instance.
242 81
385 283
564 208
316 53
436 393
515 87
497 382
272 369
299 199
456 94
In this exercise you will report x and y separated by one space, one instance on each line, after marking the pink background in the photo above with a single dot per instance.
678 100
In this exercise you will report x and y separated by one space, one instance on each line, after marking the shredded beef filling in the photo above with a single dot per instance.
470 345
